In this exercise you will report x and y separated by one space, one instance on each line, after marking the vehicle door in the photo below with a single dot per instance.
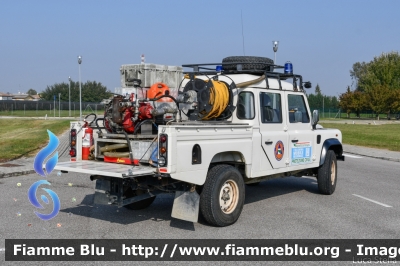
300 150
274 140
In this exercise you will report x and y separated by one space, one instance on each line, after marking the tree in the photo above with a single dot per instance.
317 90
358 102
92 91
320 101
318 98
312 101
358 73
353 101
383 100
346 101
31 92
334 103
377 84
383 70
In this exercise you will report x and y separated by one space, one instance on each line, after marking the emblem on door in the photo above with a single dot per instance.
279 150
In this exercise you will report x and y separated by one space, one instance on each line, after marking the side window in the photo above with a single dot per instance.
271 108
245 106
297 109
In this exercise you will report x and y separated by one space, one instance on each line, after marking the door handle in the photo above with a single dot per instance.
268 142
295 140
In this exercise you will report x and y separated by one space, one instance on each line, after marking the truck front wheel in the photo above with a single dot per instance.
222 198
327 174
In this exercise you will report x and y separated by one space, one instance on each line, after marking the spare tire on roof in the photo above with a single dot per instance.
247 62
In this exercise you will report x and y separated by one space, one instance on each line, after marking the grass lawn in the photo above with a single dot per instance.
25 137
385 136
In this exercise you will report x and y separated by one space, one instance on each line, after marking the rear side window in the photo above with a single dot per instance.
271 108
297 109
245 105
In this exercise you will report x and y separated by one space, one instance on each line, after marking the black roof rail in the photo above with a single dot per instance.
206 69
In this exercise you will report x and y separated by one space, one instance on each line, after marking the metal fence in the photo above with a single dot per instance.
327 113
11 105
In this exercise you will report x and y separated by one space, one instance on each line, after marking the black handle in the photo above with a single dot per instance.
268 142
295 140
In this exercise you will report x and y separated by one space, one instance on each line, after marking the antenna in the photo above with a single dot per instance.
241 16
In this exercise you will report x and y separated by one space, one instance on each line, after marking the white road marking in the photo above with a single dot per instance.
374 201
2 249
352 156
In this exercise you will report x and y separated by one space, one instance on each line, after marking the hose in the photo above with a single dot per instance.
95 117
141 123
219 99
169 96
129 145
117 154
251 82
113 147
97 125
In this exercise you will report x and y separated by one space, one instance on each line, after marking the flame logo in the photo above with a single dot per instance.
43 153
32 198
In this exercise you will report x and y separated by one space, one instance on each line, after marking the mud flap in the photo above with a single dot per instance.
186 206
100 195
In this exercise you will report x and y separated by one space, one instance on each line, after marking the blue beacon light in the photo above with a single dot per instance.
288 68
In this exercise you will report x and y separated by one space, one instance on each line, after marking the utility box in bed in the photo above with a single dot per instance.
149 74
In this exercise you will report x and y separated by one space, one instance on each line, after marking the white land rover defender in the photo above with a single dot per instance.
203 135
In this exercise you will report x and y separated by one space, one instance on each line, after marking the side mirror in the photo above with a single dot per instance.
307 84
315 118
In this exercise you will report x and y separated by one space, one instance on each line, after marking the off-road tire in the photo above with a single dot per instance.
327 174
224 185
247 62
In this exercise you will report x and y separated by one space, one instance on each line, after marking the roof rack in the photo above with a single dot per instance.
205 69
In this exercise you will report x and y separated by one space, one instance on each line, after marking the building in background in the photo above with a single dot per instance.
5 96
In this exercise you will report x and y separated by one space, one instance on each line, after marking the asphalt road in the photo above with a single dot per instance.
365 205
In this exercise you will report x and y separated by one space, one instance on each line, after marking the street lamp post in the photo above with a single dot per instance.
275 48
80 89
59 105
69 93
54 113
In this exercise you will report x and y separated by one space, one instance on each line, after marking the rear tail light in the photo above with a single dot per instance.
72 152
162 150
72 143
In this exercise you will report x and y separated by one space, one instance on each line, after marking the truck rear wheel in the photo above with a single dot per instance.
327 174
222 198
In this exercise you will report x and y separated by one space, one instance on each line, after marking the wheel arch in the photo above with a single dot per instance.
228 157
233 158
331 144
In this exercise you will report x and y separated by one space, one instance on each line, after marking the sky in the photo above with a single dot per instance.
41 40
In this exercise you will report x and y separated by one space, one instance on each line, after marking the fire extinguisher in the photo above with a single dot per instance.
87 142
